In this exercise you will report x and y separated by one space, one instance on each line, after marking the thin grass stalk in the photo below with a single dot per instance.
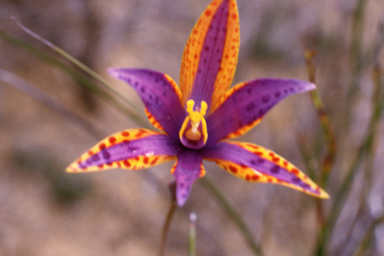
328 131
35 93
378 107
78 77
233 214
356 54
80 65
364 150
368 238
168 219
356 60
192 234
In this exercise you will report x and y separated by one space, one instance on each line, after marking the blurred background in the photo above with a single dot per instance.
45 211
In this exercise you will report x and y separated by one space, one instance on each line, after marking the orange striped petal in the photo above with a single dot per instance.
257 164
210 56
244 105
132 149
160 95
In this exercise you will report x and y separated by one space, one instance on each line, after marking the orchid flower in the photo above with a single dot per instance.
196 121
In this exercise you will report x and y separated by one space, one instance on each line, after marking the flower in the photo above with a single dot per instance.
196 120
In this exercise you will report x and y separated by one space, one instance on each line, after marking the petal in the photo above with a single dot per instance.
132 149
160 95
210 56
188 167
244 105
257 164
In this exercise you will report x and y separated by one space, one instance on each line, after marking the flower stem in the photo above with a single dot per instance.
168 219
232 213
192 234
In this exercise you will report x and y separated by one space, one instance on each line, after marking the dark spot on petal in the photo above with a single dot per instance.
206 48
255 177
95 158
277 94
275 169
260 160
250 106
126 163
296 180
265 99
232 169
295 171
106 154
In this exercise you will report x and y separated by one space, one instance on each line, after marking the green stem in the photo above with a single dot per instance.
326 125
192 234
232 213
368 237
365 150
45 99
79 64
81 79
168 219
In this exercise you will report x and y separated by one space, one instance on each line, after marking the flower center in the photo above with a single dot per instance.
193 132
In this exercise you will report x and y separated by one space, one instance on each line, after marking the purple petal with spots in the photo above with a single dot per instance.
158 96
211 56
238 155
248 102
153 145
187 169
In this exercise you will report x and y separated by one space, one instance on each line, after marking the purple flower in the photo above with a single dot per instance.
196 120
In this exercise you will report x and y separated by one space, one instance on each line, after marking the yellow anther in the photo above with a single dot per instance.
190 104
195 118
203 109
